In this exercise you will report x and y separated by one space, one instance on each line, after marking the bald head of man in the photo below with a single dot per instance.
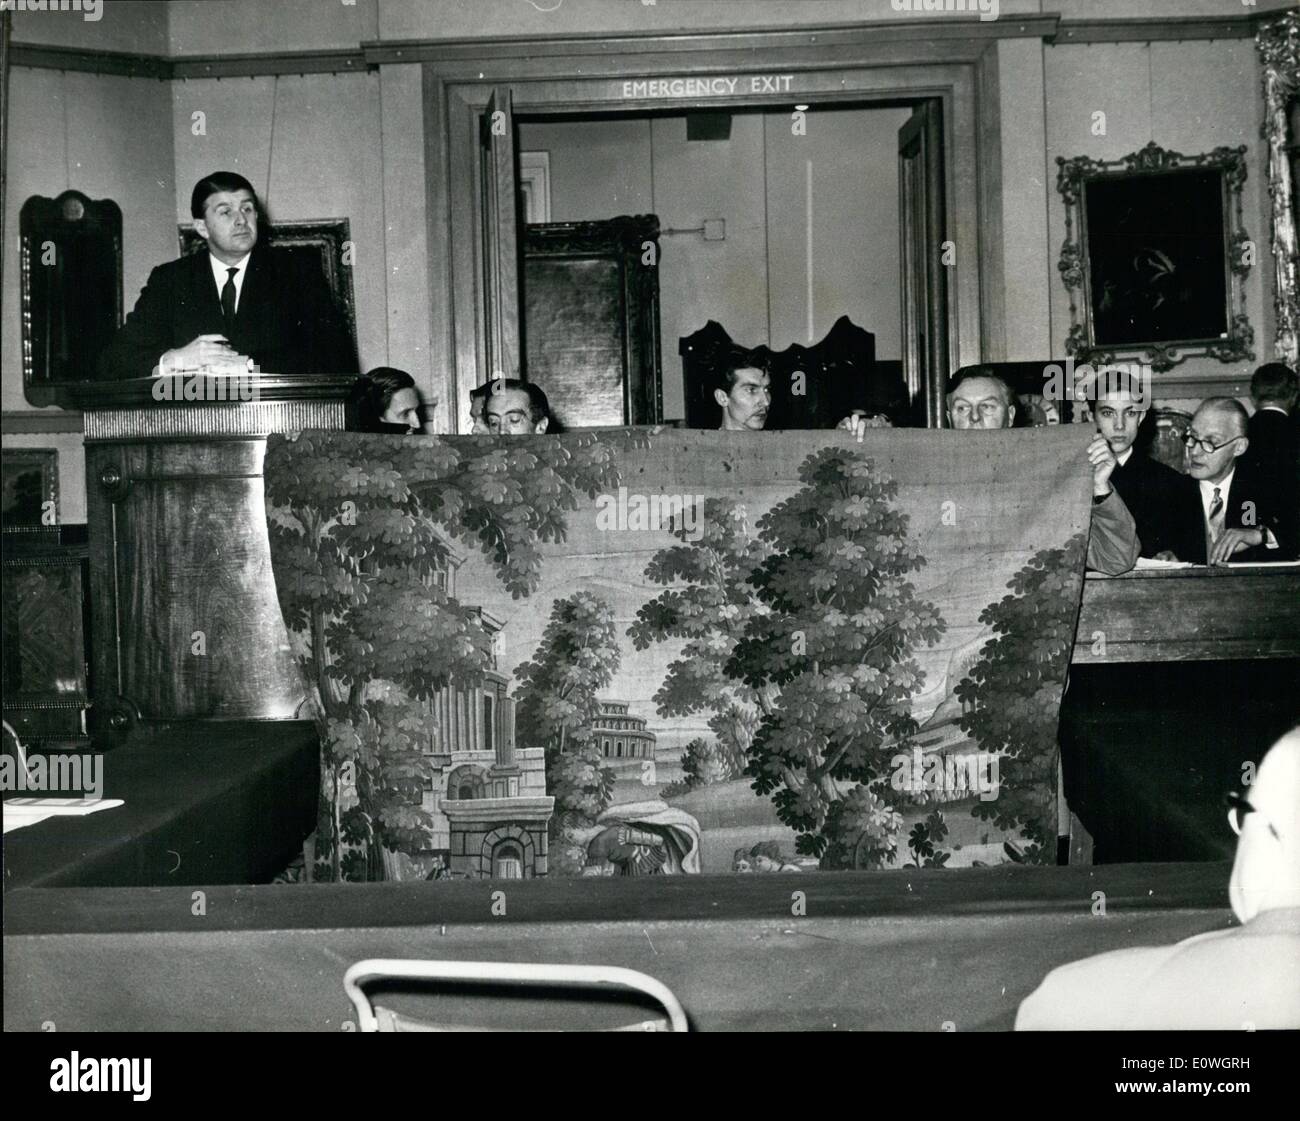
1266 872
1216 438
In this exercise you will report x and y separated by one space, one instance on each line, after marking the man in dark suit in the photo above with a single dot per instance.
1163 501
231 308
1274 431
1244 518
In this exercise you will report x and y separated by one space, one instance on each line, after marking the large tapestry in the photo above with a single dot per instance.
660 652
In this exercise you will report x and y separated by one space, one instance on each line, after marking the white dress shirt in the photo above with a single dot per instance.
1207 500
220 272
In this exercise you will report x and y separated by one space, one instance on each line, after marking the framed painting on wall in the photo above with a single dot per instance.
29 482
1154 257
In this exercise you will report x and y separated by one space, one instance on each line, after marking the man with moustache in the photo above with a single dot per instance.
516 408
1162 501
744 394
235 307
1243 518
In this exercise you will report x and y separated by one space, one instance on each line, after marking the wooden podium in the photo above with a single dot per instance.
185 623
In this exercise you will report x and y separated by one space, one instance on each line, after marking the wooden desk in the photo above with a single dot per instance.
225 802
1190 614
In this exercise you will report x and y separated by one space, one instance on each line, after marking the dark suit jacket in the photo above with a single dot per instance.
1275 450
286 322
1253 503
1165 506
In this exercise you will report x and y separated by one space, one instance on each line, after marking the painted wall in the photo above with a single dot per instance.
1190 97
756 282
218 26
123 25
350 145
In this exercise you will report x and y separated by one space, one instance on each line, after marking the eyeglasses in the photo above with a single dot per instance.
1192 441
1238 808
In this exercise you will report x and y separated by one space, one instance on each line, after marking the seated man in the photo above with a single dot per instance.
516 408
1244 978
235 306
979 399
1243 518
1163 501
744 394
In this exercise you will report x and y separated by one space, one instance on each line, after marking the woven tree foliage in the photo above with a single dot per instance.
811 623
802 613
360 529
1014 691
558 704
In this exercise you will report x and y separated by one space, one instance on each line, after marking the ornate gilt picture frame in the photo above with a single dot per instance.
1278 42
1154 257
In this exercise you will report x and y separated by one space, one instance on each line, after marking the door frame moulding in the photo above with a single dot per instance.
888 64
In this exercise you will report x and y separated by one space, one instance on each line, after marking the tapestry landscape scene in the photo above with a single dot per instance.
637 652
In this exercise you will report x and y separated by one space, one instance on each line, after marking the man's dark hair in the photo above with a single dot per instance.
736 359
538 405
481 392
1111 382
1274 383
370 395
214 184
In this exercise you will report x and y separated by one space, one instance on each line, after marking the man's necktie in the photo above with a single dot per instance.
228 300
1216 516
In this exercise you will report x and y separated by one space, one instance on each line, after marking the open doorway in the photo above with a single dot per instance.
773 222
752 81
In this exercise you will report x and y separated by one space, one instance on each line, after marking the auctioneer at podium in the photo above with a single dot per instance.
235 307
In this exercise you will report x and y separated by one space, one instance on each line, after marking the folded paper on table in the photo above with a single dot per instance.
20 812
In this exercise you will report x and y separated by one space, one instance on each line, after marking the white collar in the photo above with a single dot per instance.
1128 454
1224 485
220 270
1273 408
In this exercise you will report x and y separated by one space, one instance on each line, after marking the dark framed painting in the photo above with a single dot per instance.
1154 256
327 241
29 485
70 280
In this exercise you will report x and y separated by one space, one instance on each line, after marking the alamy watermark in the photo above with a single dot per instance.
987 9
92 11
47 774
641 513
206 387
1090 383
947 778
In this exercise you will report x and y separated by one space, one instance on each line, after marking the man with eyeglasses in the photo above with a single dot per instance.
1245 978
1243 518
979 399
